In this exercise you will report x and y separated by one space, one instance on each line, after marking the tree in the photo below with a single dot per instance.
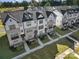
69 2
78 2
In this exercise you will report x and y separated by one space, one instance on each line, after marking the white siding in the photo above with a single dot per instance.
59 18
9 22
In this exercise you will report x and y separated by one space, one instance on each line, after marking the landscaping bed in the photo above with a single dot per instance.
53 36
44 38
33 44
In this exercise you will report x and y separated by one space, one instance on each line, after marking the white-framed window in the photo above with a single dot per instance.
29 30
11 27
14 36
28 24
41 27
41 21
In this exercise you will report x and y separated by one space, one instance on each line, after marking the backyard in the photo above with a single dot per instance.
44 38
53 36
51 51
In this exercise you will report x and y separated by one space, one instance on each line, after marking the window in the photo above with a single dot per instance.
28 24
41 21
12 27
21 30
35 21
41 27
29 30
14 36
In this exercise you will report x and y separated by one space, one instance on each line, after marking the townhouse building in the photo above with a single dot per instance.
30 24
51 20
41 21
14 27
70 17
27 25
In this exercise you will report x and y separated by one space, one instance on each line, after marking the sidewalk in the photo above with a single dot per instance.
62 55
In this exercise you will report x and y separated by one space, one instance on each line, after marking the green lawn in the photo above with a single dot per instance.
50 51
62 32
76 35
5 52
70 56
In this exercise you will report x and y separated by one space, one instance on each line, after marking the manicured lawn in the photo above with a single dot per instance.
5 51
44 39
62 32
76 35
50 51
70 56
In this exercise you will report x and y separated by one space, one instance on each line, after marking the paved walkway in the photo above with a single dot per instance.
49 37
72 39
39 41
76 55
68 51
65 53
39 47
71 29
26 46
58 34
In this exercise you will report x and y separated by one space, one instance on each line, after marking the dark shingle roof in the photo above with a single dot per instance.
38 14
63 11
70 11
48 13
16 15
27 16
